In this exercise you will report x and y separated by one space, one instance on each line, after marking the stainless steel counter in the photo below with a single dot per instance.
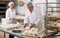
13 33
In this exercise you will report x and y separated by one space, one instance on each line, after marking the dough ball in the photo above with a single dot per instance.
27 28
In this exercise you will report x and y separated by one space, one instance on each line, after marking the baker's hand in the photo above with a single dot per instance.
25 25
32 25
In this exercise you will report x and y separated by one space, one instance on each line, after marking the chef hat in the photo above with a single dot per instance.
9 4
30 4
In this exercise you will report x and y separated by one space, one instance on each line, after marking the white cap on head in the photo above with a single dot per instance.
30 4
9 4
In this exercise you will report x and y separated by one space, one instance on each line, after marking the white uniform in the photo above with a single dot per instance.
10 14
34 17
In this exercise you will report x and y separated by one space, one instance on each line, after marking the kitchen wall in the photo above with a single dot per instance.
23 9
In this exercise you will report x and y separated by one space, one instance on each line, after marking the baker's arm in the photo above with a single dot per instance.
26 20
7 15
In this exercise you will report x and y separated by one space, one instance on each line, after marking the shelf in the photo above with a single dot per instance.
2 3
4 0
52 33
52 18
53 3
53 7
2 16
53 11
2 7
2 12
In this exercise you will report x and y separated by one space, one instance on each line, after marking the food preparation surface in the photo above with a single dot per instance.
15 34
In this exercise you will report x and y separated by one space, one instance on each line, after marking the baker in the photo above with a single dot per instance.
10 14
33 17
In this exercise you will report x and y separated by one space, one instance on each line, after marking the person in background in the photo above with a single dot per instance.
33 16
10 14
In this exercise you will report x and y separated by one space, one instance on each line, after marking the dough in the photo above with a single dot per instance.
27 28
32 32
34 29
10 26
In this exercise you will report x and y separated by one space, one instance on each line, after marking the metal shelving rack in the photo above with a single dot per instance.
53 34
3 7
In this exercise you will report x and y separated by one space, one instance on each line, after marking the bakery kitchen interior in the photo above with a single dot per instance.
29 18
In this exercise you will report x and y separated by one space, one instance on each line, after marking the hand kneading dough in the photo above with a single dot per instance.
27 28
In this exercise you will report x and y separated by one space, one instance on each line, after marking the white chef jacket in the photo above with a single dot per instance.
10 14
34 17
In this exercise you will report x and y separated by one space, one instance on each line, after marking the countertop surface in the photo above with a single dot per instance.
13 33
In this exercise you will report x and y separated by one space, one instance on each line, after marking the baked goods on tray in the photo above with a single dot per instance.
10 26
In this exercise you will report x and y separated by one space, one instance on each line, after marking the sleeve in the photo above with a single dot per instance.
7 15
26 18
40 17
15 12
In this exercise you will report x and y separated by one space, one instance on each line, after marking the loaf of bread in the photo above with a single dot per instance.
10 26
55 15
